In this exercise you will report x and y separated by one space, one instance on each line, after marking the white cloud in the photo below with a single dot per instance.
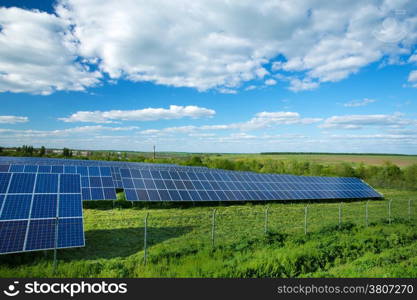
302 85
13 119
221 44
358 103
147 114
208 44
412 78
270 82
413 58
362 121
37 54
82 130
261 120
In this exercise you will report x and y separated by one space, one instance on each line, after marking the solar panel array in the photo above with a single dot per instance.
96 181
40 211
164 182
155 185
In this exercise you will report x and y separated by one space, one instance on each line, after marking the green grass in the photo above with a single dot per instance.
355 159
180 242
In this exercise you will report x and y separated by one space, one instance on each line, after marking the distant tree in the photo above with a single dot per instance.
1 149
27 150
66 152
195 160
42 151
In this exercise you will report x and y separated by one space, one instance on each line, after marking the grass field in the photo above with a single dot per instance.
180 242
375 160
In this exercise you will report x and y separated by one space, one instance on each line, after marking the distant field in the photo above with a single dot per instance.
180 242
400 160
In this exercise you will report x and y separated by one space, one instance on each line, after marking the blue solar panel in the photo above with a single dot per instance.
85 182
41 234
70 233
70 183
105 171
70 205
57 169
4 182
12 236
83 171
16 168
30 214
153 185
86 195
94 171
44 169
44 206
107 182
16 207
30 169
109 193
70 169
95 182
4 168
22 183
97 194
46 183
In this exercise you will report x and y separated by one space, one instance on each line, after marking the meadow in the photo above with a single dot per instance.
251 240
376 238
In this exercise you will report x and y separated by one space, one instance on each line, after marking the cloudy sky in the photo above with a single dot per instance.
210 75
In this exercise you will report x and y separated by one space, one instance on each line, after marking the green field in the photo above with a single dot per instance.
367 159
248 242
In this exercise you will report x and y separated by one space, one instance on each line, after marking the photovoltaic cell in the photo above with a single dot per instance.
47 183
41 234
4 168
12 236
70 233
44 206
4 182
70 183
70 205
16 207
34 212
22 183
152 185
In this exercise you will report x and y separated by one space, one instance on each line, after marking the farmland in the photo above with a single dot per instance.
355 159
180 242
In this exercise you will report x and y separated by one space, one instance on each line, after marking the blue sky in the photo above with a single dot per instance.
211 76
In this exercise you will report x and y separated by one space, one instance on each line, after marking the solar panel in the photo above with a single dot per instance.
154 185
92 178
40 211
165 182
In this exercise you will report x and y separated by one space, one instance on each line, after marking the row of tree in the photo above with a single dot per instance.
28 150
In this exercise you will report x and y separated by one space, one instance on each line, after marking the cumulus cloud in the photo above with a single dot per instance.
412 78
37 54
261 120
147 114
270 82
358 103
13 119
221 44
362 121
81 130
206 44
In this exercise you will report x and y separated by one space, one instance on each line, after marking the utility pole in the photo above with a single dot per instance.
154 152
